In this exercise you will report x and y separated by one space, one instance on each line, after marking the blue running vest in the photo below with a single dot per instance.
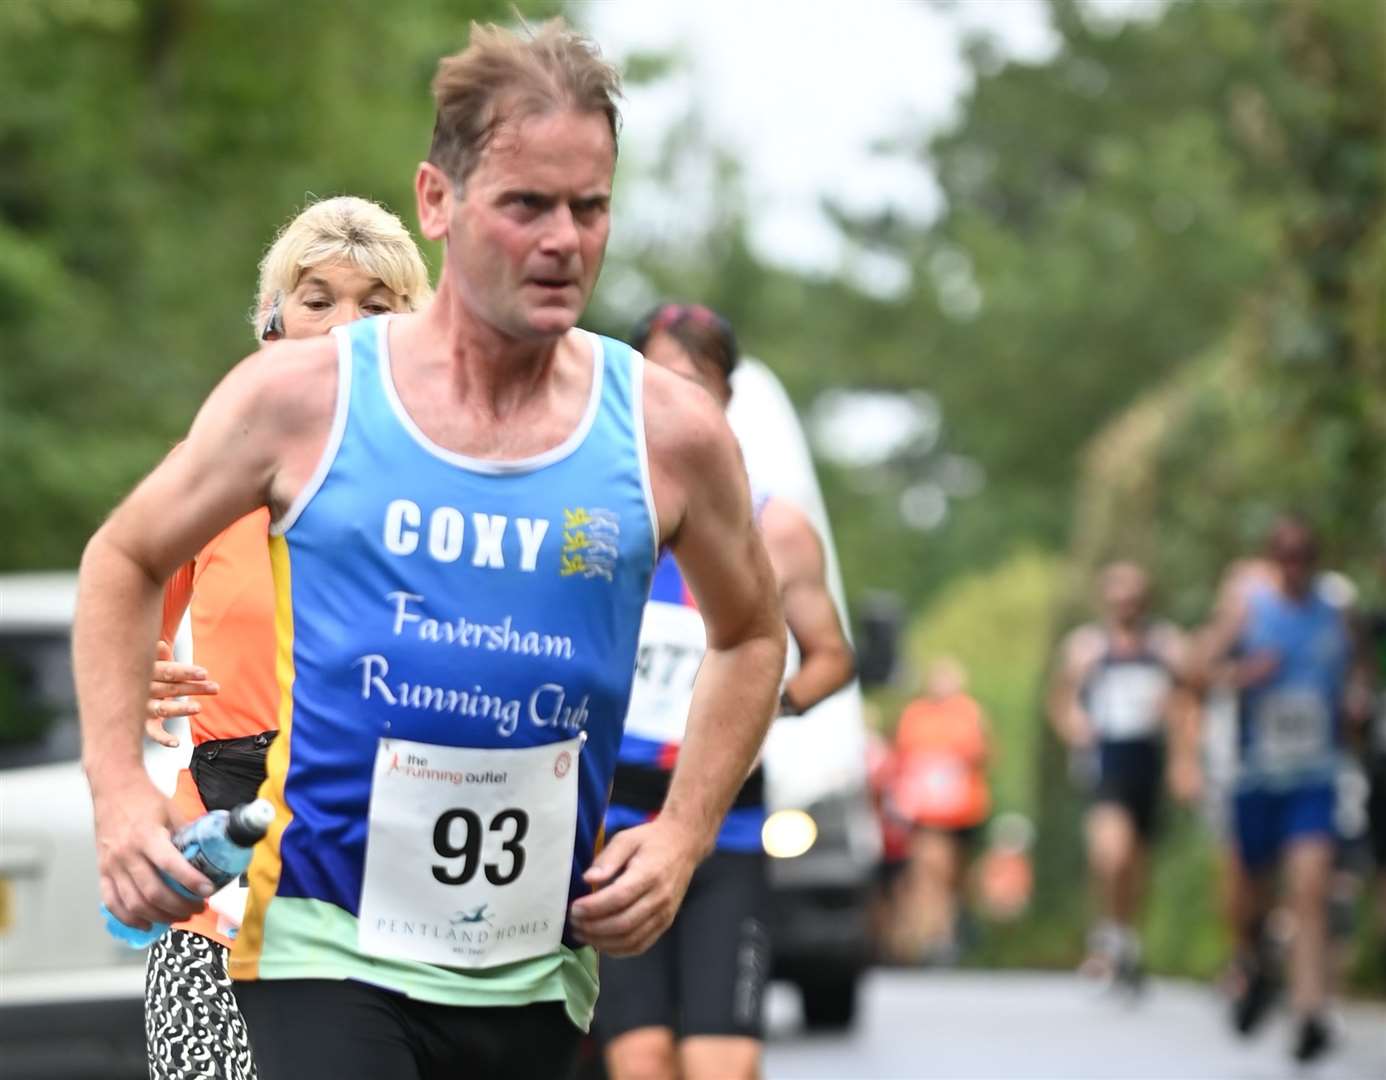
431 597
1289 728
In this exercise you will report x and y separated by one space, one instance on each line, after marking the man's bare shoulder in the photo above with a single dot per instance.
788 532
287 388
1083 644
681 419
299 377
685 429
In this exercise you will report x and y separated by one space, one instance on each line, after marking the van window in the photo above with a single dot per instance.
38 705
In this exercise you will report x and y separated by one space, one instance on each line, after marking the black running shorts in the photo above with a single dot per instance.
328 1029
1130 773
1376 809
707 974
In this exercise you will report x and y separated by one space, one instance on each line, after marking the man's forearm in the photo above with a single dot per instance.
118 607
734 700
823 673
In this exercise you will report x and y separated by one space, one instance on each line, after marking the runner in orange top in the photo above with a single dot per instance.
940 786
339 260
229 593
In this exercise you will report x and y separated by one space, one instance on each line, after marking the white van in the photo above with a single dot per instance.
71 998
814 764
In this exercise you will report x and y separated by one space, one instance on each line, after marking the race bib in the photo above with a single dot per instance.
672 644
469 852
933 788
1128 701
1293 730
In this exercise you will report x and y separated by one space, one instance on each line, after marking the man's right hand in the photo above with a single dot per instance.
134 848
170 682
1255 669
1077 730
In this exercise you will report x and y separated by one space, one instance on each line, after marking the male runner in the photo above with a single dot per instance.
1120 687
1288 647
691 1006
466 504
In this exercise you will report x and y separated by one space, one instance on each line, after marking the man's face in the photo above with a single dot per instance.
1295 553
528 234
1124 595
665 350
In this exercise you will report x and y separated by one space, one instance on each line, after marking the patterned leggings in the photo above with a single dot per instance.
192 1027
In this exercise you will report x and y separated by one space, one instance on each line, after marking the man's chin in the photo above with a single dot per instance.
551 322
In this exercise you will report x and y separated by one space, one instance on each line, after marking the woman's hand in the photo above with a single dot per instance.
170 682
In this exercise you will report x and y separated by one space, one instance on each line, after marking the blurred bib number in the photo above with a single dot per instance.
934 789
1293 729
672 644
469 852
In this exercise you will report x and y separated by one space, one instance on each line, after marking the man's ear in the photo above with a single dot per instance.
434 195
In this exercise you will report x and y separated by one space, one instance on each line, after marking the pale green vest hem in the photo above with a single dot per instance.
312 939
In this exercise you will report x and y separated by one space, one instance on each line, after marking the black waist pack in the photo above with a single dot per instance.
228 772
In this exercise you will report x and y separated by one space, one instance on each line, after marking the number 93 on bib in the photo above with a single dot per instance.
468 853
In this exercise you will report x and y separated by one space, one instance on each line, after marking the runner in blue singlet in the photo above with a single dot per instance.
1288 648
467 504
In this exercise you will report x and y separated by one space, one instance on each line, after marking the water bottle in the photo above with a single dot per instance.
219 844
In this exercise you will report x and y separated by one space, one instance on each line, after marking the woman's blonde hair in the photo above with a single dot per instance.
341 229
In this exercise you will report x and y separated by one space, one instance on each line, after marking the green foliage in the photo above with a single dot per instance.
1284 408
1170 265
150 151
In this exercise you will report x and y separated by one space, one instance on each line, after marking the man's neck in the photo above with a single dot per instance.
1126 633
1295 593
488 367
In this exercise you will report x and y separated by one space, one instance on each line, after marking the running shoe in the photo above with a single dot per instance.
1253 993
1313 1040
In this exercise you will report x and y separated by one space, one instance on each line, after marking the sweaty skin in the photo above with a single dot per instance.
492 368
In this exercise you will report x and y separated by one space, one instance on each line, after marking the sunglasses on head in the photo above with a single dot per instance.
672 314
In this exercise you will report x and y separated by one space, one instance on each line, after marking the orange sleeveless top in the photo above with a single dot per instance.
942 749
228 591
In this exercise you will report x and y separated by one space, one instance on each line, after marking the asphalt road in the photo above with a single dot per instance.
972 1026
1023 1026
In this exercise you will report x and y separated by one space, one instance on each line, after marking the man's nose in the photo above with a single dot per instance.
561 237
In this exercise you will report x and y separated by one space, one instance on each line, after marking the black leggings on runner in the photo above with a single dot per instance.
324 1029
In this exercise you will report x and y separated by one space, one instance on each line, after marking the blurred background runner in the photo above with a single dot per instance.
940 788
